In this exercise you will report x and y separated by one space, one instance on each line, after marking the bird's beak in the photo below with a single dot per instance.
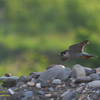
59 54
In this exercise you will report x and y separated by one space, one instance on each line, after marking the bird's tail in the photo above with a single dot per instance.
86 55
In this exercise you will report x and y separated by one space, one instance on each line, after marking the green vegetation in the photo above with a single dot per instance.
33 32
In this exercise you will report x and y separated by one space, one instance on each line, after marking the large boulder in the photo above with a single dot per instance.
51 73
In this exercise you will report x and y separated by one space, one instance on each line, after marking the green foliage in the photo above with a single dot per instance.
32 33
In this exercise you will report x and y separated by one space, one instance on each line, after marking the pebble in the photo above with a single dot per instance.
41 92
30 83
65 93
51 89
38 85
79 89
28 94
70 96
48 95
56 81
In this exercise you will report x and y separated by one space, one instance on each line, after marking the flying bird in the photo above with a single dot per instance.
75 51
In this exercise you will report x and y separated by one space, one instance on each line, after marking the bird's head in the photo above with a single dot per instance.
63 56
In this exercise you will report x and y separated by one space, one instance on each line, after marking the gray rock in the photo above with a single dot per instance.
41 92
94 76
88 71
51 89
73 74
70 96
80 72
56 81
98 70
9 81
19 84
79 89
14 96
28 94
83 79
51 73
25 98
23 79
65 93
2 98
93 84
51 66
64 74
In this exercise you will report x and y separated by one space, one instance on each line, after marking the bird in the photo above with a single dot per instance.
75 51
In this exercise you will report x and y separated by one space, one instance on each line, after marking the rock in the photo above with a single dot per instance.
54 95
79 90
50 74
41 92
28 94
94 76
70 96
83 79
48 95
14 96
72 80
25 98
64 74
38 85
3 98
19 84
65 93
82 84
56 81
98 70
9 81
32 73
80 72
51 89
23 79
93 84
87 70
82 97
73 74
7 74
30 83
43 97
33 80
51 66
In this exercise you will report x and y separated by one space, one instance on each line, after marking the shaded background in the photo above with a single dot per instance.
33 32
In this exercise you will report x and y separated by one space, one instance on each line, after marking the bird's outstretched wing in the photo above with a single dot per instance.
78 47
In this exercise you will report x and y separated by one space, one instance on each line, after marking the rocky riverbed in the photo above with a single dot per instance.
56 83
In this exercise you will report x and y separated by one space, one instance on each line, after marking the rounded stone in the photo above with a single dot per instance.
64 74
80 72
28 94
56 81
38 85
93 84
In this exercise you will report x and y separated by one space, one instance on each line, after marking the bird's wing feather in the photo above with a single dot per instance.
78 47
